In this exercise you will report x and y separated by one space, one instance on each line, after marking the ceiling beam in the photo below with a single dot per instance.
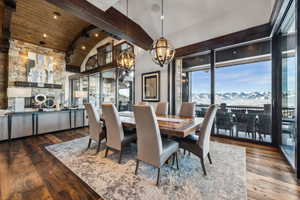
9 8
111 21
250 34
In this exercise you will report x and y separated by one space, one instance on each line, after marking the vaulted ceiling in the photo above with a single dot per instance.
186 22
191 21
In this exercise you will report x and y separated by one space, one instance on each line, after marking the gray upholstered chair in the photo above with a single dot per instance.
143 103
187 109
96 130
162 108
199 144
151 148
116 139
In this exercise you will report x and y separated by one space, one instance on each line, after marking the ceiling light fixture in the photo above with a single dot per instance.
83 47
162 51
126 59
45 35
96 34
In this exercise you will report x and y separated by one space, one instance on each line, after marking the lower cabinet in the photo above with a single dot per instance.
22 125
27 124
3 128
52 121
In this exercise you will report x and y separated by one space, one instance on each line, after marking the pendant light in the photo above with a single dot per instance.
126 59
162 51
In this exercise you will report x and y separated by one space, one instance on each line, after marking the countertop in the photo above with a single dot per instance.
30 111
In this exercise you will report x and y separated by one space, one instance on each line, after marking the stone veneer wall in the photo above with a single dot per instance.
17 70
3 79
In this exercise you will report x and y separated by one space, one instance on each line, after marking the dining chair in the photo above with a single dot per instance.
143 103
187 109
116 139
151 147
199 144
96 129
162 108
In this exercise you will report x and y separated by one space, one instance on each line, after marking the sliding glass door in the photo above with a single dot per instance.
288 85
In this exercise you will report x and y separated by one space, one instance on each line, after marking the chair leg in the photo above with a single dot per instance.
173 162
120 158
203 166
90 141
137 166
209 158
176 156
158 177
99 144
106 152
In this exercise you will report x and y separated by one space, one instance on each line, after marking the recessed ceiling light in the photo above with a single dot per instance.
83 47
96 34
56 15
45 35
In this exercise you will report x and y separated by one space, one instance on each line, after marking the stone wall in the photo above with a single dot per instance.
24 57
27 62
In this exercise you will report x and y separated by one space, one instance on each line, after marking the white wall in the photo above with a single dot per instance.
145 64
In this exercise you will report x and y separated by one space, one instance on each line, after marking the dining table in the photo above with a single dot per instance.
172 125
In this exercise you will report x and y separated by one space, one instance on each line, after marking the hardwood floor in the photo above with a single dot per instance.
29 172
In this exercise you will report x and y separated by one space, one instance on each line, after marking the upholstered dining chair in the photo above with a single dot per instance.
151 147
96 130
162 108
199 144
116 139
187 109
143 103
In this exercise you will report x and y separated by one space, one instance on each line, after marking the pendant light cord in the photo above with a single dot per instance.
162 18
127 16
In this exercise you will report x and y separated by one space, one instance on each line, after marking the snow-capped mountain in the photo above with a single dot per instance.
235 98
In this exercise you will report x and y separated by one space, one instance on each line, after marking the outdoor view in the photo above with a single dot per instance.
243 85
243 93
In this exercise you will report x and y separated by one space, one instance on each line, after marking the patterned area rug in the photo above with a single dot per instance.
226 178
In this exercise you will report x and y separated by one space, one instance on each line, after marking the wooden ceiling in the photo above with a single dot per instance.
33 18
89 44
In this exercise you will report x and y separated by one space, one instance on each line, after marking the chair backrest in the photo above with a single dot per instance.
162 108
114 129
143 103
187 109
205 131
95 126
149 144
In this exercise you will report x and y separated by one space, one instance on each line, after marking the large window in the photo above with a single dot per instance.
196 82
288 43
242 88
243 92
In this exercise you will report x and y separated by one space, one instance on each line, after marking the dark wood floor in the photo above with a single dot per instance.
29 172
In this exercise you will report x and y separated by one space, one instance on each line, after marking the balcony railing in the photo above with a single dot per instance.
249 122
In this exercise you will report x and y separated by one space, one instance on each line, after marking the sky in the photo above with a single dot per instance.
239 78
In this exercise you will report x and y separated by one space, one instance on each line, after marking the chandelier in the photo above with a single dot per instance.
126 59
162 51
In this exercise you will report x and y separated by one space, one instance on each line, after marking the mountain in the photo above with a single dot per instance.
235 98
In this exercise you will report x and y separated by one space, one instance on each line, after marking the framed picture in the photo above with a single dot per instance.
151 86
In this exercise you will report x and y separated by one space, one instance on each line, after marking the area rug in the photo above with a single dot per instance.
226 177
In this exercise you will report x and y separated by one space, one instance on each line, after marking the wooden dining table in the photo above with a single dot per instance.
172 125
